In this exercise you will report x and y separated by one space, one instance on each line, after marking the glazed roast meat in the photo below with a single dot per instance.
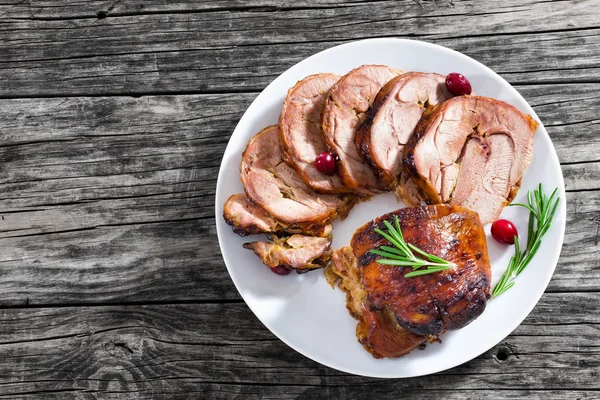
247 218
297 252
300 134
429 304
471 151
392 119
344 110
422 307
277 188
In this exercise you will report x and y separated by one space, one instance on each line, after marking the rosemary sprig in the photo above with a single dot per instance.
541 211
403 254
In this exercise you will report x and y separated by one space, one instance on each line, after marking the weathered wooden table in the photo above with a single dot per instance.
114 118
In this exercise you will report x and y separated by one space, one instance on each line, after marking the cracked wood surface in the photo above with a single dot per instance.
115 118
160 349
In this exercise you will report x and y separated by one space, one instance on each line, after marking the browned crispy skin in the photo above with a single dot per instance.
377 330
429 304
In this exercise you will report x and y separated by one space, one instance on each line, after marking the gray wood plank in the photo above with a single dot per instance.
117 135
111 199
47 9
146 261
195 349
178 50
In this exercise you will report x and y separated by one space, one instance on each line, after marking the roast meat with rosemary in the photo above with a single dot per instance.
449 296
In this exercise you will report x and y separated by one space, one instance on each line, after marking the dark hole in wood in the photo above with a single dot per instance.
101 14
123 345
502 354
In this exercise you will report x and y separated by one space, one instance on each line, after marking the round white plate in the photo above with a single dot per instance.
303 310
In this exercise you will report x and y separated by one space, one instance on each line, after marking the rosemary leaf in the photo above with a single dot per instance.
403 263
403 253
392 250
541 212
389 255
429 270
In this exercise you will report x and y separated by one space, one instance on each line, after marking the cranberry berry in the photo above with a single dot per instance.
457 84
281 270
504 231
325 163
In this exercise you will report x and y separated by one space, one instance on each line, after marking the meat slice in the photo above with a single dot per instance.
297 252
247 218
276 187
392 119
300 134
407 190
344 110
428 304
471 151
377 329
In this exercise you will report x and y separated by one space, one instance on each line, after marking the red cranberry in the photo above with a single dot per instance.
281 270
457 84
504 231
325 163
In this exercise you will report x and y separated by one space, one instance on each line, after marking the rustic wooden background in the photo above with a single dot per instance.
114 118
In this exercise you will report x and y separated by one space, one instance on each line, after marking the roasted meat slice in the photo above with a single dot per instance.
344 110
429 304
392 119
276 187
377 329
247 218
407 190
298 252
471 151
300 134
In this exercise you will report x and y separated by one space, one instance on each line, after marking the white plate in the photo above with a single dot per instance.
303 310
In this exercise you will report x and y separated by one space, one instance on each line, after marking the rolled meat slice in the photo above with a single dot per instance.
407 190
393 118
247 218
277 188
471 151
344 110
300 134
298 252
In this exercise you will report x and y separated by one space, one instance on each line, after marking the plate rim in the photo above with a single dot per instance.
561 215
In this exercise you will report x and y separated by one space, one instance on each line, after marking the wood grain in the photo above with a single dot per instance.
199 48
183 350
116 114
121 204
